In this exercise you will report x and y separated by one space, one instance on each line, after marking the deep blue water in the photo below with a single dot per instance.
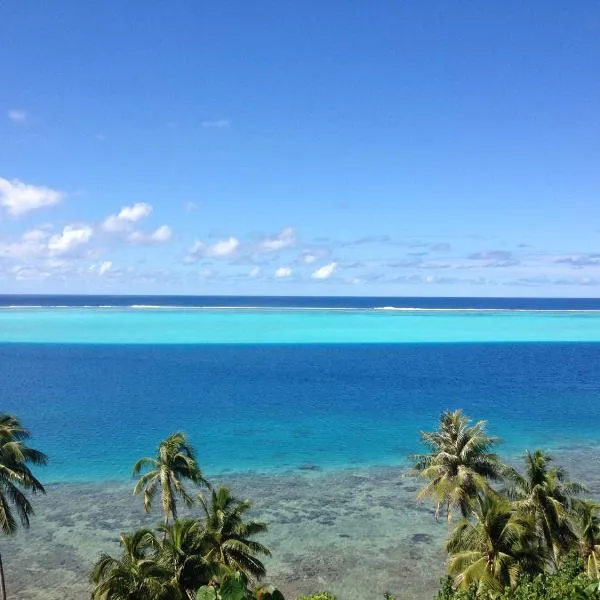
95 409
304 301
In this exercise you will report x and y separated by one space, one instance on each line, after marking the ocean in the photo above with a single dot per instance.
284 394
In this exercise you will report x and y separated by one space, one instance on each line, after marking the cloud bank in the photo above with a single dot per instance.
19 198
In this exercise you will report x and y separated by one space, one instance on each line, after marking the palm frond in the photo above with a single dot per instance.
16 478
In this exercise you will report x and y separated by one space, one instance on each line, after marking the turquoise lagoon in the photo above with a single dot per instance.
170 325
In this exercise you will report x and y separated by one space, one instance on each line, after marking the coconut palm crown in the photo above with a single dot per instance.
183 551
228 535
16 478
137 574
459 464
545 493
495 550
175 461
588 520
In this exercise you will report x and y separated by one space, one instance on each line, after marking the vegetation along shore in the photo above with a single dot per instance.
522 533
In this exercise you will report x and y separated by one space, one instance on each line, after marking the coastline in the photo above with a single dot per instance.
355 532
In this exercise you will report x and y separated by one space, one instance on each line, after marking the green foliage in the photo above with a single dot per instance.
137 575
175 461
207 592
181 549
531 539
16 478
459 464
233 588
448 592
213 557
588 524
569 582
495 549
545 493
229 535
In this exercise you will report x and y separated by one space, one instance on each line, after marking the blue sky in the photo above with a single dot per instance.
339 147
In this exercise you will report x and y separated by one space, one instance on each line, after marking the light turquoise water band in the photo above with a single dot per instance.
212 326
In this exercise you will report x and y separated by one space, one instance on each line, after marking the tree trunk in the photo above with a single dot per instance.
2 582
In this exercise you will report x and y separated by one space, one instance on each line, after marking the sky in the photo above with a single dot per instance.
315 148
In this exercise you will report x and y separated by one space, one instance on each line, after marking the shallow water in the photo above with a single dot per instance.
357 533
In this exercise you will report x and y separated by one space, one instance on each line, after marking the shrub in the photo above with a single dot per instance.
447 591
568 583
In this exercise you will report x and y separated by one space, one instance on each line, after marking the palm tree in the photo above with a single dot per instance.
493 552
228 535
545 493
588 518
137 575
175 460
183 552
459 463
16 479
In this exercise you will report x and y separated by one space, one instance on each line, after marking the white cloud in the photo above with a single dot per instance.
283 272
19 198
113 224
41 245
32 244
254 272
162 234
105 267
17 115
220 249
307 258
127 215
284 239
158 236
70 238
137 211
216 124
123 223
325 272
